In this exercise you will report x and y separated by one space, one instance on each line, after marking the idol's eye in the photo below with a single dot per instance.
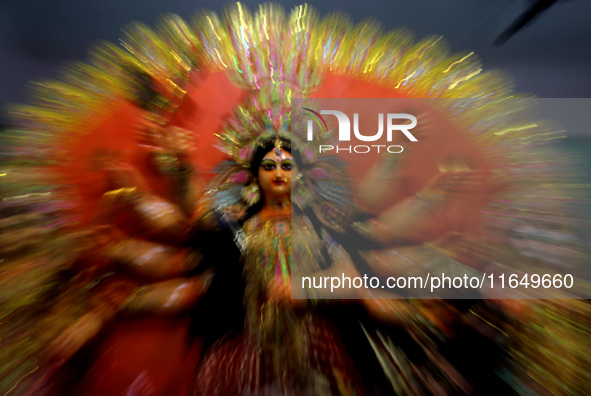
268 165
286 165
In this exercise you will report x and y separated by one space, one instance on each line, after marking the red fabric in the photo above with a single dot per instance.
448 141
210 99
142 357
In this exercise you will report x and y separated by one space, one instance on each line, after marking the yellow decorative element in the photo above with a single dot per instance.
515 129
30 195
24 376
120 191
405 79
456 62
469 76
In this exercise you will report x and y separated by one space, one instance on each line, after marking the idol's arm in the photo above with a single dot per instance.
173 296
186 183
151 260
161 219
172 159
402 221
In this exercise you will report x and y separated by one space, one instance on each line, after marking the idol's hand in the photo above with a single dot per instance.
462 183
62 348
170 297
121 175
87 327
150 134
170 146
383 307
181 142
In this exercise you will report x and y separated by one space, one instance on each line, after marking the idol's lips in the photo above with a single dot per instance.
279 182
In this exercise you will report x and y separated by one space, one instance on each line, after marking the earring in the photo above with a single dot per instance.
251 193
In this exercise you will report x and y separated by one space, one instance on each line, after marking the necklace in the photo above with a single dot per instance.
280 205
274 208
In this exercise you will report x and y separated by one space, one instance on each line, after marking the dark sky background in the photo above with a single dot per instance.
550 57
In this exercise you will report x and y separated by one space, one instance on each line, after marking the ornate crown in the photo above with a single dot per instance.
273 112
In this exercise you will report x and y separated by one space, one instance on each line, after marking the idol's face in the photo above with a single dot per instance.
275 173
